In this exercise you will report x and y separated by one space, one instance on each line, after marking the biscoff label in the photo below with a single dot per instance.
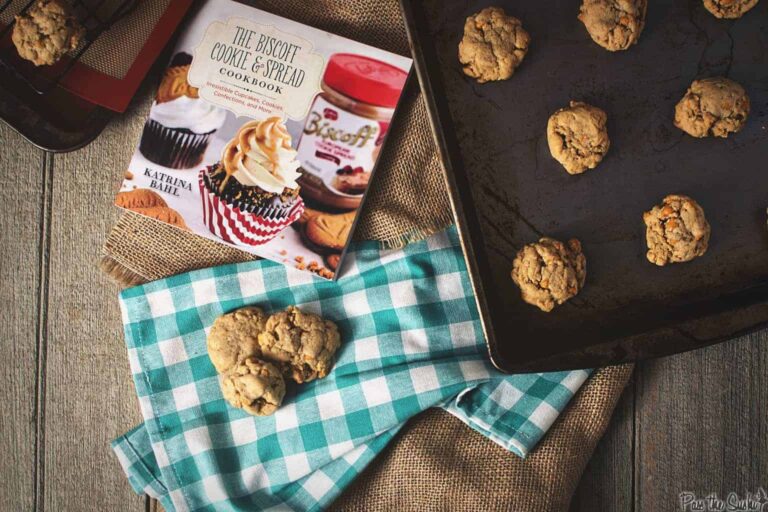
334 138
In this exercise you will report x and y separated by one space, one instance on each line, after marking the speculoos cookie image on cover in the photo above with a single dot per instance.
180 124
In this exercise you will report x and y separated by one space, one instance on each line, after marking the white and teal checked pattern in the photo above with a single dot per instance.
411 340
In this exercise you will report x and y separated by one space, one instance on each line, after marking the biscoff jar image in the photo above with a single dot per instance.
345 128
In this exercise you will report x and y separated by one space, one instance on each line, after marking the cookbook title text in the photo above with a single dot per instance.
256 70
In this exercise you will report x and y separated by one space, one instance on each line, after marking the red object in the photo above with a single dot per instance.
115 93
242 228
331 114
364 79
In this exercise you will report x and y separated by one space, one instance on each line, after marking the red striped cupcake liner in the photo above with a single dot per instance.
242 228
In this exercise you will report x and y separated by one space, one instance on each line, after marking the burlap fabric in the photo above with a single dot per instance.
437 463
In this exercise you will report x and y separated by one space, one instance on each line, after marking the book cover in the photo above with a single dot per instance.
264 135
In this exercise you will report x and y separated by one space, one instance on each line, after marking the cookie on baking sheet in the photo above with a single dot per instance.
713 106
330 231
549 272
46 32
614 24
139 198
163 214
254 385
493 46
234 336
302 344
676 230
578 137
729 9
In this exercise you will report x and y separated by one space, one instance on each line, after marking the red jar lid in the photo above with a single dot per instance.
364 79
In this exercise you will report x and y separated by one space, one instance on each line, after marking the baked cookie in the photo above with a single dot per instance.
332 260
729 9
712 106
163 214
614 24
255 386
676 230
330 231
46 32
549 272
234 336
303 344
139 198
307 215
578 137
493 45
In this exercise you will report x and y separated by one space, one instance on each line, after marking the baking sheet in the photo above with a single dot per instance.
509 187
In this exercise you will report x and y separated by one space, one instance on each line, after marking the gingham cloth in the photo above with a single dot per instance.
411 340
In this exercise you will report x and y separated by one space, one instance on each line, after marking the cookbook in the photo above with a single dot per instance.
264 135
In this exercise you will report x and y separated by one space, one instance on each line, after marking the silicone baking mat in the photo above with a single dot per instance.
110 71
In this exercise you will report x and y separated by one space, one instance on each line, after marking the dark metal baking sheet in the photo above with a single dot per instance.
57 122
508 191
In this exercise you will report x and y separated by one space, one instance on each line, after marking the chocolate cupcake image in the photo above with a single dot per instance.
251 194
180 124
251 199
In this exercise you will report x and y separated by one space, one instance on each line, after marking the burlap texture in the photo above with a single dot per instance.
437 463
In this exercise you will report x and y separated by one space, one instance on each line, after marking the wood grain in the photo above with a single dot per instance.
21 189
702 423
607 481
90 398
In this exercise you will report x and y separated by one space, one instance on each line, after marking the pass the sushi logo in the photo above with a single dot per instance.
256 70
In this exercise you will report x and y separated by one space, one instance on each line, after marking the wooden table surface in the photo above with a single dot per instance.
693 422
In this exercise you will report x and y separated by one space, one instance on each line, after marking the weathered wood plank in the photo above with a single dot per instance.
21 193
607 481
702 423
90 398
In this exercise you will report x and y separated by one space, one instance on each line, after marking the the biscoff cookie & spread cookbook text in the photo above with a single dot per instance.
264 135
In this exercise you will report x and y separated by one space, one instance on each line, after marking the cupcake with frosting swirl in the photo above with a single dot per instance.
252 193
180 124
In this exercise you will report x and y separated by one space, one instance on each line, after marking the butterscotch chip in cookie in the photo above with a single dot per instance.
302 344
729 9
549 272
46 32
163 214
676 230
578 137
614 24
493 46
234 336
330 231
139 198
712 107
255 386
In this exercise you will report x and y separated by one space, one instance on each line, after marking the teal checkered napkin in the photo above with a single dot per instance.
411 340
